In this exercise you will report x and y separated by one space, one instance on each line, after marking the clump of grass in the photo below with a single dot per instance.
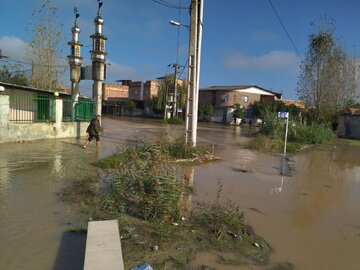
169 149
173 121
311 134
226 230
266 144
78 230
221 219
272 134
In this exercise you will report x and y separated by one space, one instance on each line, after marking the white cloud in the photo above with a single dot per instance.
275 60
117 71
13 47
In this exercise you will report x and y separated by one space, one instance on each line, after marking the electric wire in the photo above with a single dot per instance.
8 59
169 5
283 26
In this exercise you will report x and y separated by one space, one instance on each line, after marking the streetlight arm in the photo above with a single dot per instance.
178 24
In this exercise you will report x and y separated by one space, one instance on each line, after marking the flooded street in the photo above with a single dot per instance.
311 219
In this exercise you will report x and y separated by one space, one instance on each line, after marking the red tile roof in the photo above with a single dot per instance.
351 111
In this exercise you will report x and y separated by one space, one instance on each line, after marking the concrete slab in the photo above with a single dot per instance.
103 247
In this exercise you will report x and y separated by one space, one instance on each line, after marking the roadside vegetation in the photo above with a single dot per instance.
301 131
146 190
327 84
173 121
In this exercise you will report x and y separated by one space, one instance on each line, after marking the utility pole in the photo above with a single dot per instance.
176 66
196 16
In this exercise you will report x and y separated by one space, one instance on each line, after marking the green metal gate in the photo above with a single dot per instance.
84 110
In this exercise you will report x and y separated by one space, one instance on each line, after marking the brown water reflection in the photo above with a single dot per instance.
311 219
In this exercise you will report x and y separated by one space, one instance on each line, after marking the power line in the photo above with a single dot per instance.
283 26
184 67
167 4
8 59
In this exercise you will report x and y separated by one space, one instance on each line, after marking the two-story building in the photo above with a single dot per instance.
115 96
223 99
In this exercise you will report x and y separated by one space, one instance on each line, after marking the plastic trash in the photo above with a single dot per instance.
144 266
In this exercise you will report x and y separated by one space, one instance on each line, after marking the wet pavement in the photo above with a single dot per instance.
310 219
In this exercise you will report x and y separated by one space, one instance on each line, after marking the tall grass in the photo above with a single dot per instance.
272 133
145 183
312 134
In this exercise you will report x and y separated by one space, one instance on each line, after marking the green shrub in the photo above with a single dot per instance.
312 134
273 126
173 121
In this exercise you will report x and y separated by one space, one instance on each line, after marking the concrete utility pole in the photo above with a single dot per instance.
75 60
196 16
174 112
98 58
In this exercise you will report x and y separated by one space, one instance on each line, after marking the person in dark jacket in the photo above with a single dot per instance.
93 130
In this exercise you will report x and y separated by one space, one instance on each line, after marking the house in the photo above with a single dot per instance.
115 96
223 99
28 113
141 91
349 123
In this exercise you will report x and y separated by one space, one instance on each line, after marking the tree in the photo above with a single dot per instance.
131 106
238 111
44 48
13 74
206 111
328 75
261 109
165 84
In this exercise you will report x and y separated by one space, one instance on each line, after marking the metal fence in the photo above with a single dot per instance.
68 110
32 107
82 111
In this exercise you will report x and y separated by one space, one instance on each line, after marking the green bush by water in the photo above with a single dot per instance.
173 121
272 135
312 134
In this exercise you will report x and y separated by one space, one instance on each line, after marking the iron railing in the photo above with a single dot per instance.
68 110
31 107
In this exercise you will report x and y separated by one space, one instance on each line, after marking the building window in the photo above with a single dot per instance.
97 45
224 98
244 98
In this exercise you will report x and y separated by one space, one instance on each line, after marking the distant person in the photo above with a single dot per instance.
93 130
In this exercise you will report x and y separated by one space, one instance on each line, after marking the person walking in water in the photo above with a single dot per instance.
93 130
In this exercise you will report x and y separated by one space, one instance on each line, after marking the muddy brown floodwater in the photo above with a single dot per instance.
311 219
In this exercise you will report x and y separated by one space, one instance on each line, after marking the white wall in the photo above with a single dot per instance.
12 131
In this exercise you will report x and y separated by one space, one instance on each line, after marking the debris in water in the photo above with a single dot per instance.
257 210
286 166
235 236
143 267
249 231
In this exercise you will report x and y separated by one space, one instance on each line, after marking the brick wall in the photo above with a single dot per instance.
229 98
115 91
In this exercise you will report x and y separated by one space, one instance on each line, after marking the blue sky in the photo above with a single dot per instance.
243 41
